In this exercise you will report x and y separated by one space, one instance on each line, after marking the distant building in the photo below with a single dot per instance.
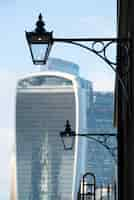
57 64
103 109
44 101
100 161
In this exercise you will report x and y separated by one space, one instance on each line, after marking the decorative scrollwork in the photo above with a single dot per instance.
101 47
98 46
105 138
109 141
112 61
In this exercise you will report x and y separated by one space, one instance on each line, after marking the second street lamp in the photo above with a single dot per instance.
67 138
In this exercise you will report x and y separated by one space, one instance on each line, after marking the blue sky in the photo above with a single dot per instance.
67 19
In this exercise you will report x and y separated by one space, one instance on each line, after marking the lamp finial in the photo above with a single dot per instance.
40 25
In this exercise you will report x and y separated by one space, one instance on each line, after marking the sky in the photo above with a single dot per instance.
67 19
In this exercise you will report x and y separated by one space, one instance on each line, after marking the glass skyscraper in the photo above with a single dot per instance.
44 101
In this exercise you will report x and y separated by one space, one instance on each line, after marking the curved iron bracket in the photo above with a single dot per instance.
101 47
106 140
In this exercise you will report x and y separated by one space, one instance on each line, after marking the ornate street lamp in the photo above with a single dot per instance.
40 43
67 137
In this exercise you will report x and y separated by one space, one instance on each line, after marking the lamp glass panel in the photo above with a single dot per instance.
39 51
68 142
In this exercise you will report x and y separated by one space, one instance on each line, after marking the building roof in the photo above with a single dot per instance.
62 66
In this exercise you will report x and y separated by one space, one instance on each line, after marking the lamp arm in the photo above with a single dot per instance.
103 143
100 53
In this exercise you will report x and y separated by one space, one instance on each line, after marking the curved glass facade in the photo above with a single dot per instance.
44 170
44 81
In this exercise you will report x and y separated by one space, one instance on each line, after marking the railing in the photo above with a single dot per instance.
89 191
106 192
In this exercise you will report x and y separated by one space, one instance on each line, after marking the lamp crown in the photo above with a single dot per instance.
40 25
68 127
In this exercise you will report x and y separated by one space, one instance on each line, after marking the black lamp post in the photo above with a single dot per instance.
40 43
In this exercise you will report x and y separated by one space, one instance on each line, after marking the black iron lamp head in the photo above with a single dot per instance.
40 42
67 137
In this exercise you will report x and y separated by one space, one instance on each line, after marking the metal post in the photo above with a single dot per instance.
101 192
108 192
115 193
83 191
